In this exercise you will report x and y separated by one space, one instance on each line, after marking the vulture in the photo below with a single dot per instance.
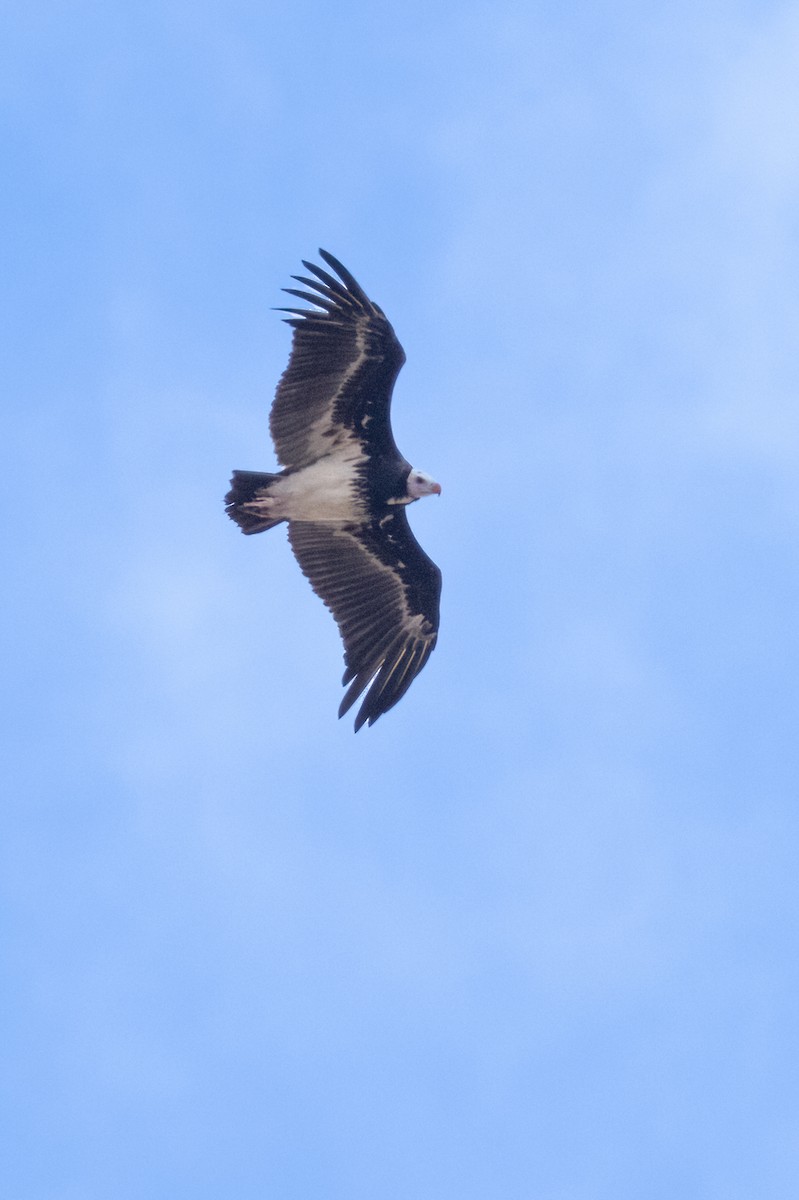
345 488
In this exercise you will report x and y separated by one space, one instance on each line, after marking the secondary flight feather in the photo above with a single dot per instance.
345 488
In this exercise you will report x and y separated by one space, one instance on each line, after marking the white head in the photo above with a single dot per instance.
420 485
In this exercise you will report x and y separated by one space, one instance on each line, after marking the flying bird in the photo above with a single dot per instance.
345 488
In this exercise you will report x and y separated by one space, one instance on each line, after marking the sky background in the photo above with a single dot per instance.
534 935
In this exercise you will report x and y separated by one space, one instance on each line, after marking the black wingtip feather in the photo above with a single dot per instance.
351 298
327 284
321 301
344 274
386 684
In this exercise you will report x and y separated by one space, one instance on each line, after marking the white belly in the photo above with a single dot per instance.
324 491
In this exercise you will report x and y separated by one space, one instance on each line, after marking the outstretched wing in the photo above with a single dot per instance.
345 357
383 591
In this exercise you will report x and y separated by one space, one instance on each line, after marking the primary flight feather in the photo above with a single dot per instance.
345 487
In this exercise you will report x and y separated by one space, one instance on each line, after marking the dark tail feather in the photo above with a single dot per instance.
246 489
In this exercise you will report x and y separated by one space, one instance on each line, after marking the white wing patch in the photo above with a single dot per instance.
323 436
344 359
360 358
386 642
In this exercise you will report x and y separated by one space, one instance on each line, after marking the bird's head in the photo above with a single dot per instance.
420 485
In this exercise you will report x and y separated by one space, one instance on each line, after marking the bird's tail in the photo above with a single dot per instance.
247 502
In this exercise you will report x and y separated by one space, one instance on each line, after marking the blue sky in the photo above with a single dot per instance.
534 934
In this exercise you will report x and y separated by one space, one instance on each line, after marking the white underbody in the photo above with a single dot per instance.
324 491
